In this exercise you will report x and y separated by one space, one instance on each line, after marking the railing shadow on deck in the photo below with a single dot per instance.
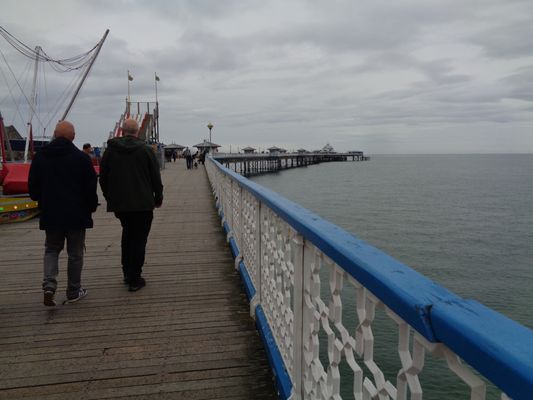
280 250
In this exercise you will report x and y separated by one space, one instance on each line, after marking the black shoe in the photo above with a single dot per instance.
137 285
49 300
77 297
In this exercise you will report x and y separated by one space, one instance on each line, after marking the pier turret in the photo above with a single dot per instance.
210 147
248 150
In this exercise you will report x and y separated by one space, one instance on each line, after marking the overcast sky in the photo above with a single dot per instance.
379 76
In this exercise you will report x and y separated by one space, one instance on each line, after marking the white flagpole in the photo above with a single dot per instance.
155 80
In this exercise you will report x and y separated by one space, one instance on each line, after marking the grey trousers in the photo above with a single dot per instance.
54 243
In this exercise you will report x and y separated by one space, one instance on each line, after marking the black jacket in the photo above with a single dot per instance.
63 181
129 176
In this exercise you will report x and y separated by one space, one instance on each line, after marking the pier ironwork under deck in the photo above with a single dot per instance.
188 334
250 164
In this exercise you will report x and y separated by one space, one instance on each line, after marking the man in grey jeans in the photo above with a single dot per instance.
63 181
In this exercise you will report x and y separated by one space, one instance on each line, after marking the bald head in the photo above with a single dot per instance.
130 127
65 129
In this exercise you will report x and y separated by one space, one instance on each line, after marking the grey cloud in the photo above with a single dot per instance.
172 10
196 52
368 26
440 70
520 84
302 71
508 40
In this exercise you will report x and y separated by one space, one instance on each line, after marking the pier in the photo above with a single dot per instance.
250 164
187 335
245 301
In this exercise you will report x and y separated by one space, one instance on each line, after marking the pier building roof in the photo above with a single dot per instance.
274 149
206 144
174 146
327 149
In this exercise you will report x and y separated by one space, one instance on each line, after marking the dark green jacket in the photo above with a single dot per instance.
129 176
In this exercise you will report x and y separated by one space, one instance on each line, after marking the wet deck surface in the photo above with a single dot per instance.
186 335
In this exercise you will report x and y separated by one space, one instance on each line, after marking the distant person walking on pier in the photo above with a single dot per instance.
63 181
88 149
188 157
131 183
202 156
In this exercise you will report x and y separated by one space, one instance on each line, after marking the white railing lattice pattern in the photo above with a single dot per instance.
287 265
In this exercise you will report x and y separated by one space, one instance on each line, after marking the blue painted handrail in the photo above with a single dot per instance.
496 346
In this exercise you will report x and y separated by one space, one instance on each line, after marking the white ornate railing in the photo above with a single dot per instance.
284 252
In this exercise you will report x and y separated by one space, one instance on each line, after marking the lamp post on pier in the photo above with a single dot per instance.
210 126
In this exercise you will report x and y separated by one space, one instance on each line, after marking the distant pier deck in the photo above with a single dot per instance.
187 335
255 164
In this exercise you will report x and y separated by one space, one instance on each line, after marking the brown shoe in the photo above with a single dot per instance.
49 298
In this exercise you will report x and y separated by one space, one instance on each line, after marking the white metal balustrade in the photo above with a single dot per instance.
283 250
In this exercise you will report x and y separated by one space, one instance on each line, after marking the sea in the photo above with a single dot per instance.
464 221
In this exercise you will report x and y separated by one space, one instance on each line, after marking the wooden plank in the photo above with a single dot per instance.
186 335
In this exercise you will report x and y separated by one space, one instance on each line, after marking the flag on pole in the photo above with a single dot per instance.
156 78
130 78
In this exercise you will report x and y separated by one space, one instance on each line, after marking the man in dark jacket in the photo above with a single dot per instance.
131 183
63 181
188 158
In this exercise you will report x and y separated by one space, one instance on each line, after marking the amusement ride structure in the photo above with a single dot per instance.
16 153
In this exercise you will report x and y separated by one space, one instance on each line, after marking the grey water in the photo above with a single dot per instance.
464 221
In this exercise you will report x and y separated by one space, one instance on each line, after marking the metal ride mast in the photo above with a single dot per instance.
34 90
85 75
32 103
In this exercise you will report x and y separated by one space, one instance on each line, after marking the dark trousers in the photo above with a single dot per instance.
54 244
189 162
135 229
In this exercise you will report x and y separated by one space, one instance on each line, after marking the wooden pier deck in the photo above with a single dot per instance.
186 335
